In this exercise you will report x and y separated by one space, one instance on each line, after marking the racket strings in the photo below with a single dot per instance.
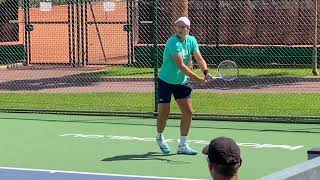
228 70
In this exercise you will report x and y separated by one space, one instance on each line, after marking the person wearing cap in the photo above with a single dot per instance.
174 75
224 158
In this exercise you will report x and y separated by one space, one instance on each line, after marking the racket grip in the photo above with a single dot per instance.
205 72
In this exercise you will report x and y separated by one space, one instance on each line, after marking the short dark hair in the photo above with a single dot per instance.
227 170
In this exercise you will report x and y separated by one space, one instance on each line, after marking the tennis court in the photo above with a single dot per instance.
41 146
78 87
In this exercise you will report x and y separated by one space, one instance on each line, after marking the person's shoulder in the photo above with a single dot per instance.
192 38
173 39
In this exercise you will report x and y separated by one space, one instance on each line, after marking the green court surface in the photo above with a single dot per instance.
123 145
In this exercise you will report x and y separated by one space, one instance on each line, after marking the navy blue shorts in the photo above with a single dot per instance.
179 91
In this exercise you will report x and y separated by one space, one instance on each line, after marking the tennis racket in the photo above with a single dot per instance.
227 70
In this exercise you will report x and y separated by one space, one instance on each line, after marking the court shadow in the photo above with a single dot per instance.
145 157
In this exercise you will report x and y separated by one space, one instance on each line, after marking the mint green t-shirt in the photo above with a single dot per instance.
169 71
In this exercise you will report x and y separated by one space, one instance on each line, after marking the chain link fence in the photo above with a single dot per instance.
104 56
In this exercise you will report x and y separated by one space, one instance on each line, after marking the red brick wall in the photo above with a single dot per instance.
261 22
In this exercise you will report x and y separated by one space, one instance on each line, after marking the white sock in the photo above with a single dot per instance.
160 136
183 140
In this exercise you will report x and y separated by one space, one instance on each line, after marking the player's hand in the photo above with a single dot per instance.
209 77
201 80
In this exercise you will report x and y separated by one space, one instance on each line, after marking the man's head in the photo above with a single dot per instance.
223 158
182 26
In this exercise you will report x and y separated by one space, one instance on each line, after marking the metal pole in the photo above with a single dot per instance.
26 23
69 31
154 51
82 32
216 17
129 33
78 31
315 71
73 39
86 29
98 33
29 29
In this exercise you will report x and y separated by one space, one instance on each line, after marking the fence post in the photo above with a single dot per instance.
216 16
154 50
315 43
86 31
70 4
27 54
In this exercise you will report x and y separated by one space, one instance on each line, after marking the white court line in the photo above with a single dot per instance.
90 173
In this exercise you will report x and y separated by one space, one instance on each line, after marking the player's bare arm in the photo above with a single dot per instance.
179 61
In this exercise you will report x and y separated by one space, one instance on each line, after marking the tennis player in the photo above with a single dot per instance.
174 76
